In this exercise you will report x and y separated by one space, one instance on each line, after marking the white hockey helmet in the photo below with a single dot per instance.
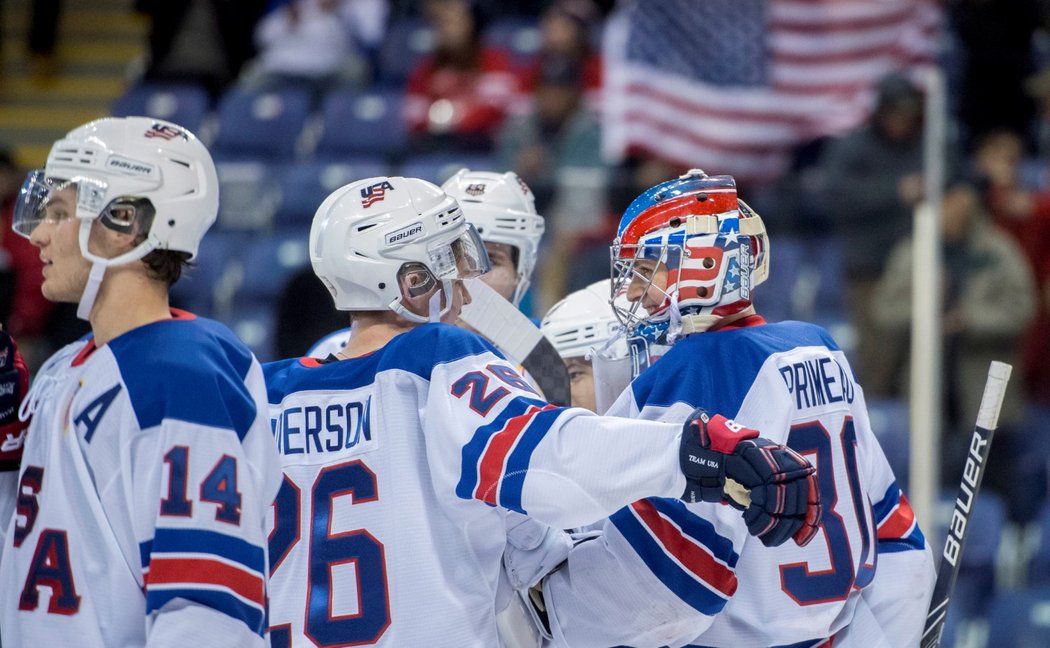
501 206
135 175
581 321
368 234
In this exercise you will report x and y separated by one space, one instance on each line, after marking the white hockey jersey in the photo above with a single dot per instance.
668 573
148 473
400 468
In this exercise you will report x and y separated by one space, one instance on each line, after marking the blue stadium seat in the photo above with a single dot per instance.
406 43
305 185
1029 446
196 290
1039 565
249 195
185 105
355 124
1035 174
260 126
889 422
519 37
268 262
438 167
976 583
1020 619
774 298
255 325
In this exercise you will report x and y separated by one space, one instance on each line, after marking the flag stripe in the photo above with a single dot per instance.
734 85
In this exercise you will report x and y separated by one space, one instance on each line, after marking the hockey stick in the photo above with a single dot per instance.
973 472
518 338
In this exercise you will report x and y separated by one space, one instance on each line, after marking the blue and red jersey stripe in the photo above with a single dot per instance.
216 570
897 528
683 550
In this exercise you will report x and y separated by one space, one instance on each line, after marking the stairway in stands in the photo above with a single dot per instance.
98 43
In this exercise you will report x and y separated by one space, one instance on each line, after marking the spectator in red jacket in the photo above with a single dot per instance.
566 29
460 94
1025 213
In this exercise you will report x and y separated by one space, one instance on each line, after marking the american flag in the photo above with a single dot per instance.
165 131
374 193
732 86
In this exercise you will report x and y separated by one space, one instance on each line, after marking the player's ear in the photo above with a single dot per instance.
418 284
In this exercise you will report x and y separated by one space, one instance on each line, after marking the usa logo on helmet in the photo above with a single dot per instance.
165 131
475 189
375 193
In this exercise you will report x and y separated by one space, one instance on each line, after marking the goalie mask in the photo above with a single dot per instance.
378 241
135 175
502 208
688 253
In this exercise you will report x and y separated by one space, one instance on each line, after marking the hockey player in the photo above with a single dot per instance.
577 326
689 254
502 208
404 454
149 466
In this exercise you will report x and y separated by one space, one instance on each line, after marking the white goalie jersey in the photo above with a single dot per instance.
142 496
400 468
668 573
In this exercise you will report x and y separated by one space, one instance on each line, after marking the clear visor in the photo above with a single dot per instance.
463 258
54 200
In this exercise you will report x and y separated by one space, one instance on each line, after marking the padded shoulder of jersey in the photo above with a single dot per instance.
717 368
190 370
416 351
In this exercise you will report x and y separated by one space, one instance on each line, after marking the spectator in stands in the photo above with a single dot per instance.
997 57
10 180
872 182
556 149
988 302
459 95
1023 212
1038 88
566 40
310 45
203 42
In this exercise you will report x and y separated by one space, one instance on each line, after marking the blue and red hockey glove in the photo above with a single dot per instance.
14 383
773 485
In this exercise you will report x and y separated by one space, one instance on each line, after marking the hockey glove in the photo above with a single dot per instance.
773 485
14 383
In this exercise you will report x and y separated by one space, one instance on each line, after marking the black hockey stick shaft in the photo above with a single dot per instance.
973 473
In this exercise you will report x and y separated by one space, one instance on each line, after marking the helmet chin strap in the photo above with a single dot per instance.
99 266
434 306
87 300
697 323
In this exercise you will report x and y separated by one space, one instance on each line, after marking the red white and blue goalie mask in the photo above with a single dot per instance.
713 245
